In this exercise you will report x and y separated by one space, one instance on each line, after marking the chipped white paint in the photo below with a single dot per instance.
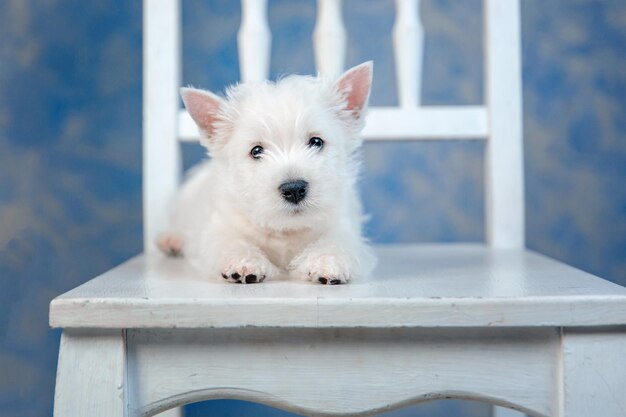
172 412
354 371
505 412
329 38
543 371
254 41
422 286
161 151
91 374
408 47
594 373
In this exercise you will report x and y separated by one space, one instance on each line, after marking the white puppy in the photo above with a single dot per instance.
278 197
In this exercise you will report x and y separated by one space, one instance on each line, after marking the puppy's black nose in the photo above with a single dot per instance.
294 191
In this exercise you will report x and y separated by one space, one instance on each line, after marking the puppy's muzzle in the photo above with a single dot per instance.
294 191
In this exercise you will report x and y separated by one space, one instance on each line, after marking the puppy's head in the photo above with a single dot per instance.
285 151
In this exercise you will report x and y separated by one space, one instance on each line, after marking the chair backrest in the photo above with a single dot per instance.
498 120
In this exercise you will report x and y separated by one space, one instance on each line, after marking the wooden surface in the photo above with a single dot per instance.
254 41
161 80
423 286
91 374
594 372
337 372
504 162
329 38
393 123
408 52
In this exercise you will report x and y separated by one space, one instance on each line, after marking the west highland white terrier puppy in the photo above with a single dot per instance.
278 196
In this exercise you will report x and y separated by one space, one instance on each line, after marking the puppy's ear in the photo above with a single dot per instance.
354 87
203 107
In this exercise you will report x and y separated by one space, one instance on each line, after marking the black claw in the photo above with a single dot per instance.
224 276
235 276
335 281
250 279
322 280
262 278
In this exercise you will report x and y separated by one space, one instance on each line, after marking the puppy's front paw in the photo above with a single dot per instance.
325 269
248 270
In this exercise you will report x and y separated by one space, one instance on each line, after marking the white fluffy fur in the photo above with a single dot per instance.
230 218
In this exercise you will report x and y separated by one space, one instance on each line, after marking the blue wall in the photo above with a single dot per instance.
70 149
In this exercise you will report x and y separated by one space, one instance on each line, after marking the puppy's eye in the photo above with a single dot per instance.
316 142
256 152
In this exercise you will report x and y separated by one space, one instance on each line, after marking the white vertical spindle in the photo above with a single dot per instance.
329 38
161 79
254 41
504 191
408 46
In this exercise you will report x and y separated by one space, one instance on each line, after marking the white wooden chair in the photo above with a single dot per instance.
491 322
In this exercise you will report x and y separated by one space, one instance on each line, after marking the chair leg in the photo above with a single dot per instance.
91 374
594 372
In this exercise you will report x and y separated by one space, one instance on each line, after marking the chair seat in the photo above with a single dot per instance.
451 285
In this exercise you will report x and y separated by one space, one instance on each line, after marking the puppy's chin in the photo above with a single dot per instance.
293 218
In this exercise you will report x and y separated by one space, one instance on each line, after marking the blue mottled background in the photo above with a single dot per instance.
70 148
